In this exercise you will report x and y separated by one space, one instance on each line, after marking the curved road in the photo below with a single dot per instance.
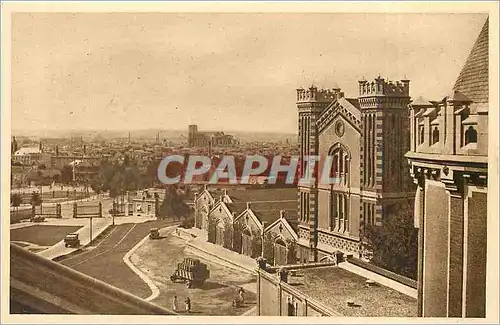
105 260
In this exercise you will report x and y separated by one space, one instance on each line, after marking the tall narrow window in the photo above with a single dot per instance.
435 135
346 169
341 211
470 135
346 213
340 164
421 135
333 212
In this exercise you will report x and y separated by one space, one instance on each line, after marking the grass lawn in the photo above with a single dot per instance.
42 235
159 258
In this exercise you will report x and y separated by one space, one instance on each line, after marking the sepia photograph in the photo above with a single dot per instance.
190 161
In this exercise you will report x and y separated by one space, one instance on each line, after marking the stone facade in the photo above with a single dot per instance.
449 163
208 139
367 139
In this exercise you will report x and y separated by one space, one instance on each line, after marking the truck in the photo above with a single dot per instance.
192 272
71 240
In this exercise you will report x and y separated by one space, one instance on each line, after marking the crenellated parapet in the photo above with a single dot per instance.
381 87
313 94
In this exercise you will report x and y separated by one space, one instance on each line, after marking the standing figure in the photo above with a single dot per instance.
241 296
188 304
174 303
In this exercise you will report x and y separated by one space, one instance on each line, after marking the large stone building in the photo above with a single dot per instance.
206 139
449 162
367 138
27 156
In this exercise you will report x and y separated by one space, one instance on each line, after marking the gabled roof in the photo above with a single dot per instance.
263 194
287 225
473 79
351 104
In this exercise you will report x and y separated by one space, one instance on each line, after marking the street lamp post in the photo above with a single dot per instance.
41 200
90 242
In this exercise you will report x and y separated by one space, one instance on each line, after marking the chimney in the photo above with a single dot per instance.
282 214
248 205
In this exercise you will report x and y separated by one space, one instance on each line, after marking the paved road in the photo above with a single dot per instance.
105 260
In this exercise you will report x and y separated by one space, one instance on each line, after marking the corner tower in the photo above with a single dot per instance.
192 131
310 103
384 142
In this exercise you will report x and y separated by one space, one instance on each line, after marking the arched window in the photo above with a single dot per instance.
421 136
219 233
340 163
470 135
280 252
435 135
246 242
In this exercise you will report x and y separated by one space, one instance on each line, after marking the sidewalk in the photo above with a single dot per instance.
98 226
199 246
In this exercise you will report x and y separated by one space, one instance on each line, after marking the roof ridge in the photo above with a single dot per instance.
473 78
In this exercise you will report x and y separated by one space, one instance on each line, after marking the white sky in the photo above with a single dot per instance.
220 71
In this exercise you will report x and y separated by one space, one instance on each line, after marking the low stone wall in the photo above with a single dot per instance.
273 296
386 273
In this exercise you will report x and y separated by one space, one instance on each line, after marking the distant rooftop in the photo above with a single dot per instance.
263 194
27 151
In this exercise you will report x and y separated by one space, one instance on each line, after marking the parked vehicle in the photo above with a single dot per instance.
154 233
192 272
37 219
71 240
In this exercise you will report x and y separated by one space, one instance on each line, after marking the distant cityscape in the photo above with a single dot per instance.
401 233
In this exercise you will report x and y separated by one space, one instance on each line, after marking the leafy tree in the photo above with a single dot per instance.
395 243
67 174
16 200
173 204
36 199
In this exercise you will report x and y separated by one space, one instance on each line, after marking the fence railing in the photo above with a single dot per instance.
87 209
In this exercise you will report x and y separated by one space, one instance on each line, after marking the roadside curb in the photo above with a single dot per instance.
78 250
62 255
155 291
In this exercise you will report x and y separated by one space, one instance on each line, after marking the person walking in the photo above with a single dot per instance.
188 305
174 303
